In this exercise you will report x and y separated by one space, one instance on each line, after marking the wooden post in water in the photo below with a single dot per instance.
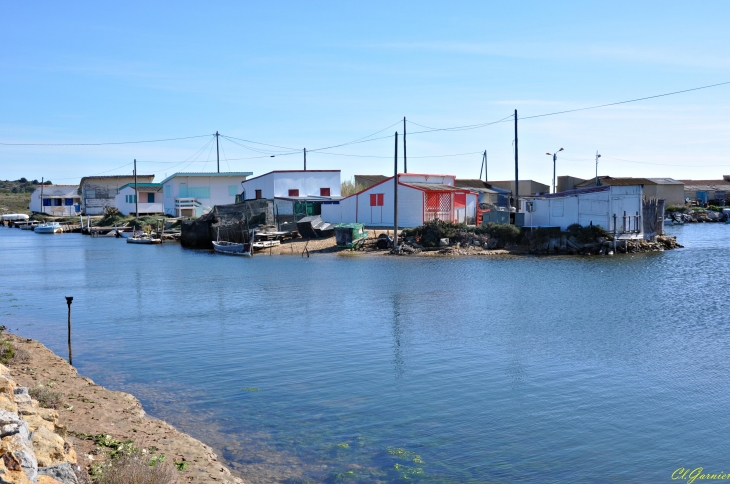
69 300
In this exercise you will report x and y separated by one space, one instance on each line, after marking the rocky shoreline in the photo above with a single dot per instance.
76 437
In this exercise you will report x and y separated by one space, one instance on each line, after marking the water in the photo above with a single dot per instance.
374 368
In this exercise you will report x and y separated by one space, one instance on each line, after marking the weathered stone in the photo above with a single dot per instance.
17 452
47 480
4 371
49 447
443 242
62 473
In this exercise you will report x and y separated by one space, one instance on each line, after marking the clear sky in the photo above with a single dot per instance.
316 74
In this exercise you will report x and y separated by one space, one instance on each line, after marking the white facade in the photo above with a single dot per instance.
193 194
149 197
587 206
420 198
58 200
98 192
294 183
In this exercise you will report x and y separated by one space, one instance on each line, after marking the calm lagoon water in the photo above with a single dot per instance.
368 368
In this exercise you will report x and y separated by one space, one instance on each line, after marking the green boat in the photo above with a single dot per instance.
350 236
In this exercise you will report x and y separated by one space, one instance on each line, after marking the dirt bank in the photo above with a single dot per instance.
90 409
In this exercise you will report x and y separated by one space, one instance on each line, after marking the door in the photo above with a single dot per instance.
376 207
183 190
151 197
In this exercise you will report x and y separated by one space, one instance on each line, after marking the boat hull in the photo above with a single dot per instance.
230 248
143 241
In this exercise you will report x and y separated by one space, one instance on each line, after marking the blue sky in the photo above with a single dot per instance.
316 74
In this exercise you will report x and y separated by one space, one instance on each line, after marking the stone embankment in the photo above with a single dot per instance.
698 216
565 244
90 420
34 449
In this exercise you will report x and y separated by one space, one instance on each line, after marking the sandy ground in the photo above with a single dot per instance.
96 410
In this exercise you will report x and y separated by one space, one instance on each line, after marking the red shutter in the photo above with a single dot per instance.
293 193
380 199
459 200
324 192
373 200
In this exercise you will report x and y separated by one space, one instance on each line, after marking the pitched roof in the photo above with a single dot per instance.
618 181
142 185
665 181
224 173
706 184
110 177
373 178
434 187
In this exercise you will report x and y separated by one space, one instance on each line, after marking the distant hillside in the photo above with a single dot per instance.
15 194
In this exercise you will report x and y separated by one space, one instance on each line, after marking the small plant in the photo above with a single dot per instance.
45 397
21 357
181 465
7 351
135 468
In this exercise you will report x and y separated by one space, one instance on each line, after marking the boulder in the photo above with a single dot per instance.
47 480
443 242
62 473
50 448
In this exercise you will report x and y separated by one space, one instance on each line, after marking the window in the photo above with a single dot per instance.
232 190
56 202
68 201
324 192
90 193
258 194
46 202
131 198
150 197
376 199
294 193
198 192
167 191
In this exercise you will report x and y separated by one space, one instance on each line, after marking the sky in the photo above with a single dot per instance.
291 75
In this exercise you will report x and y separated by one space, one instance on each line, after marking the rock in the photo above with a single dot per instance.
443 242
50 448
477 243
492 243
47 480
16 450
62 473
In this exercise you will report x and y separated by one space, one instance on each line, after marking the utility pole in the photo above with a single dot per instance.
517 178
217 153
136 194
42 181
305 159
395 196
486 167
597 156
405 158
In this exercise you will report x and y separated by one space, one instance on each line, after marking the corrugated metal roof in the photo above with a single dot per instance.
572 193
665 181
434 187
373 178
142 185
224 173
618 181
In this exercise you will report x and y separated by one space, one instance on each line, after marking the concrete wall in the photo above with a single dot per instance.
278 184
97 193
671 194
208 190
55 192
128 208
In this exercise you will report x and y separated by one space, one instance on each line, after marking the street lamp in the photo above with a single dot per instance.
555 157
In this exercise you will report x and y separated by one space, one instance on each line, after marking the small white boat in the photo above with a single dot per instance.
143 240
265 244
14 216
49 228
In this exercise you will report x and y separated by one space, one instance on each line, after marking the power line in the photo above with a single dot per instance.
390 157
104 144
625 102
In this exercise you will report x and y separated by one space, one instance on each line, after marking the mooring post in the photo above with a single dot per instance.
69 300
614 233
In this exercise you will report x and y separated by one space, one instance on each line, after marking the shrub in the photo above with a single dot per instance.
21 357
45 397
136 468
7 351
506 233
674 208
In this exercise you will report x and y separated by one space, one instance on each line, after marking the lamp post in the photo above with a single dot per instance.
597 156
555 158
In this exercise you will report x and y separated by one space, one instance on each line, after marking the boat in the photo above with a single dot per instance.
11 217
265 244
350 235
144 240
232 248
314 227
49 228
